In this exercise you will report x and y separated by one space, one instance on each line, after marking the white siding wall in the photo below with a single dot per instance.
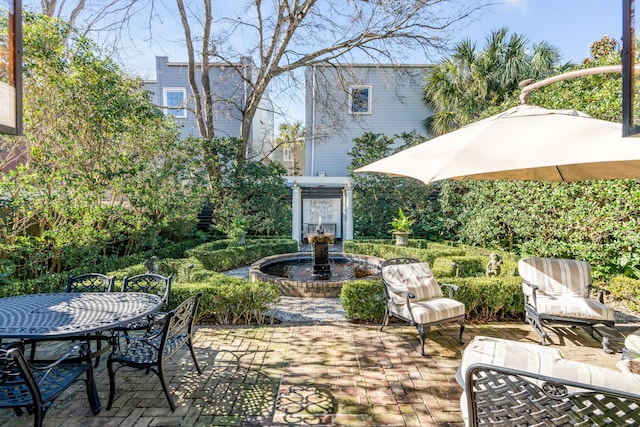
396 106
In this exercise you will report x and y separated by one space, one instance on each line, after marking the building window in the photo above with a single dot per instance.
175 102
286 155
360 99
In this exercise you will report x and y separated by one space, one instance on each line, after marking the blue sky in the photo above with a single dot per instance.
570 25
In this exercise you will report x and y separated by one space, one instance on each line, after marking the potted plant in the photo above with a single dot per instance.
401 227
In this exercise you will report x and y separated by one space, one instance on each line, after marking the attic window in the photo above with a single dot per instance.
360 99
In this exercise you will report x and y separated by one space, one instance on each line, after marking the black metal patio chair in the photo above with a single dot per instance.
149 283
90 282
151 351
36 386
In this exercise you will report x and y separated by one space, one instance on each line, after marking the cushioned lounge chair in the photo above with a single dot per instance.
414 295
557 291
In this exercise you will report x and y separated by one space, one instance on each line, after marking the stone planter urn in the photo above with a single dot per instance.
402 237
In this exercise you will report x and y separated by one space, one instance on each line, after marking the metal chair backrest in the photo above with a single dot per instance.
178 327
150 283
90 282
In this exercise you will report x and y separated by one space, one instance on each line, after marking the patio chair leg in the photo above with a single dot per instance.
92 392
422 333
536 324
461 322
112 383
160 373
193 356
385 319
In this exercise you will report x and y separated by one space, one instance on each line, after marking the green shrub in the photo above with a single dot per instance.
465 266
363 300
626 289
490 298
392 251
238 301
222 259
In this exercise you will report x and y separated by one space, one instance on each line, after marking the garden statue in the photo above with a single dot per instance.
493 267
152 265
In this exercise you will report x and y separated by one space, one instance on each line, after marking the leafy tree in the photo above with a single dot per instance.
101 170
461 87
284 36
291 136
593 220
254 191
377 198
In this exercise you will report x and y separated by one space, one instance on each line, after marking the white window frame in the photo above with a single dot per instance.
180 113
351 100
287 154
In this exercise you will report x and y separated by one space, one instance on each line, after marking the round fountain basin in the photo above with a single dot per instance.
294 273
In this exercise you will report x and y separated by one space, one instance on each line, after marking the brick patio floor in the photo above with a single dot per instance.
340 373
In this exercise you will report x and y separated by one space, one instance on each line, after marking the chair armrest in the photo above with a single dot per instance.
532 293
399 292
452 288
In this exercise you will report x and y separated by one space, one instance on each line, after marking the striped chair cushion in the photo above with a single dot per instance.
416 278
511 354
557 277
580 308
590 374
430 311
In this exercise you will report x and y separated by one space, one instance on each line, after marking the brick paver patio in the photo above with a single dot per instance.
340 373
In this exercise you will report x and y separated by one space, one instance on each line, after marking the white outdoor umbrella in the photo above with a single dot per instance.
523 143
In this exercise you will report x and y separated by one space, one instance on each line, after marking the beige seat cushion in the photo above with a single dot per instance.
430 311
581 308
510 354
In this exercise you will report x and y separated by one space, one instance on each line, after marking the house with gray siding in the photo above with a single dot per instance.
171 93
342 103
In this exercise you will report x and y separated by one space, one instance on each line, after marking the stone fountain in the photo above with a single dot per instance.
315 275
320 242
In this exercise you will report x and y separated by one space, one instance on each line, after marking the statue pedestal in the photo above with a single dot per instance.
321 267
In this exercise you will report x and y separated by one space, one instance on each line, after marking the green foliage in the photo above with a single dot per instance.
251 190
490 298
222 259
363 300
393 251
459 266
462 86
377 198
102 174
238 301
122 266
402 223
626 289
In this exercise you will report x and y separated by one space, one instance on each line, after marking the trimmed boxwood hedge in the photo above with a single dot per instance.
217 257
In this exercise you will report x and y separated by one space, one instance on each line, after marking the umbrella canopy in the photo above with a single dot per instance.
523 143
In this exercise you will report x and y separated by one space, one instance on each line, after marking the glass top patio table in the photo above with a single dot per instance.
60 315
